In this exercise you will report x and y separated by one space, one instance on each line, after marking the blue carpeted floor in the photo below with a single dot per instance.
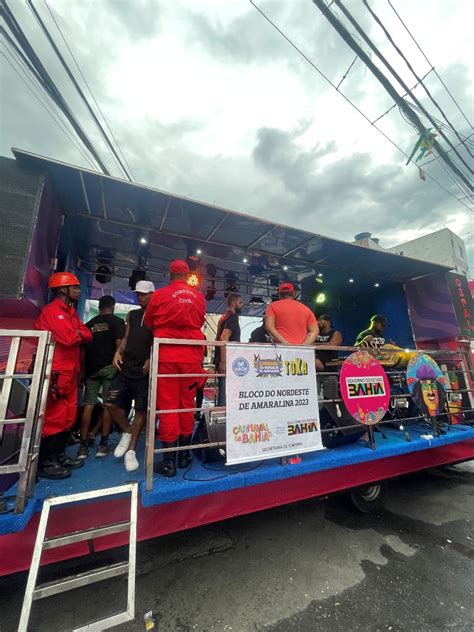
200 480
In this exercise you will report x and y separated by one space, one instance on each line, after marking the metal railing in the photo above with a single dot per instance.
31 419
150 451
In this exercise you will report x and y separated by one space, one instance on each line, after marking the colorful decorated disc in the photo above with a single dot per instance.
427 384
364 387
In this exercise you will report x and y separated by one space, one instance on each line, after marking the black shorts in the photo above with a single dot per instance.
123 390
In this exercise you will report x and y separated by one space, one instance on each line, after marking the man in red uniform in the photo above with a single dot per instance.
176 311
61 319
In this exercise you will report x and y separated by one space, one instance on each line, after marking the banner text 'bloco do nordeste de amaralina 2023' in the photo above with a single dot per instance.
272 403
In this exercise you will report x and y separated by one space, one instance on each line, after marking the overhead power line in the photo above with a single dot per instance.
78 88
344 33
464 137
410 67
456 181
395 105
435 157
48 83
372 123
88 86
426 58
27 81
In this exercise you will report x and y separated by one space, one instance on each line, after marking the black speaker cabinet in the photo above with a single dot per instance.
211 429
336 418
20 194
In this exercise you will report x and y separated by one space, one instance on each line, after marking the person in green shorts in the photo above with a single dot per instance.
107 333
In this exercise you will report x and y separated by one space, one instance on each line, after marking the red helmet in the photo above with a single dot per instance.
62 279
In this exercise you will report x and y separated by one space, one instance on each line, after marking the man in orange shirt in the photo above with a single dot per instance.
290 322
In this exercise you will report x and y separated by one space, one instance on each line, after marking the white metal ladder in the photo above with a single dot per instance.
40 357
34 592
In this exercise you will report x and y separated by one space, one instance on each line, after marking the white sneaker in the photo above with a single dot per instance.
131 463
122 445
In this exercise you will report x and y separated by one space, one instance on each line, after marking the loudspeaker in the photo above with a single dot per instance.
336 417
211 429
20 196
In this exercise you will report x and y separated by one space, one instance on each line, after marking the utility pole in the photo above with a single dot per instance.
410 114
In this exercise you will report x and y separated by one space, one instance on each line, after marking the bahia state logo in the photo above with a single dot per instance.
240 367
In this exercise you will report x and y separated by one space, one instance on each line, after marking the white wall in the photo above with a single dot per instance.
443 247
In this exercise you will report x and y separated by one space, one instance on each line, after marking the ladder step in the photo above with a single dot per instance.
87 534
81 579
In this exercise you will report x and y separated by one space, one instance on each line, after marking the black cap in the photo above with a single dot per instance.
378 318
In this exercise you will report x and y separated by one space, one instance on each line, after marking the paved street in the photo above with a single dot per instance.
315 565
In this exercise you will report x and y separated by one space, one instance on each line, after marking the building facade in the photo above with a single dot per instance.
443 247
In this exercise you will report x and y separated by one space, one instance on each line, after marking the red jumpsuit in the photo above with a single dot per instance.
69 334
177 311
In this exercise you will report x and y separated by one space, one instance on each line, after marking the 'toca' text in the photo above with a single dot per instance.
296 367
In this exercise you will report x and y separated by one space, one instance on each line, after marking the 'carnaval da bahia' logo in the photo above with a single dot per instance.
268 367
251 433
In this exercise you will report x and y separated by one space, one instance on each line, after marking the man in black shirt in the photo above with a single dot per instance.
373 336
261 334
107 333
327 336
132 360
228 329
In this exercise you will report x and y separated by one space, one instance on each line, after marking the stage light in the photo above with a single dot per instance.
255 269
199 251
194 280
376 284
231 284
400 402
143 240
320 298
232 288
103 275
211 270
351 280
245 260
285 268
193 262
211 291
320 274
137 275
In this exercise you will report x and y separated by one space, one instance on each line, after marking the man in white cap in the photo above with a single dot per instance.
132 361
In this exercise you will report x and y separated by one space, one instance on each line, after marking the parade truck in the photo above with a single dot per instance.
315 439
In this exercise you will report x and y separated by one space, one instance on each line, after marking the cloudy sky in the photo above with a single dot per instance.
206 99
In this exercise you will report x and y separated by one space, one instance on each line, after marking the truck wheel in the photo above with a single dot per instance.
368 499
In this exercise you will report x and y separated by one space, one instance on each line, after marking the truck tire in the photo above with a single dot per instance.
369 498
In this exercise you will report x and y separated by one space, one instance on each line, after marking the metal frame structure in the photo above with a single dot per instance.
84 579
33 420
150 450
